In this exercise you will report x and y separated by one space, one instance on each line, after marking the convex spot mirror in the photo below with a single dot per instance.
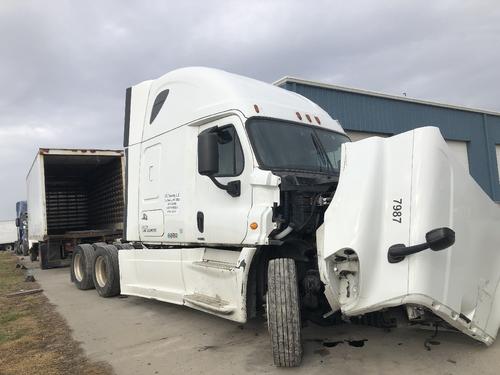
440 238
208 153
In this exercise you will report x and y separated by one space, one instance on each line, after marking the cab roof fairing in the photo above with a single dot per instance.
198 92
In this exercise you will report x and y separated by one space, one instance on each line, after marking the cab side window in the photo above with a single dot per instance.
231 159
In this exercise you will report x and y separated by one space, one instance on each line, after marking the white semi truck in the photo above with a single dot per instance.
243 198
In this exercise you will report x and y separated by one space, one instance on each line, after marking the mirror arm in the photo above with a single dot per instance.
399 251
233 188
436 240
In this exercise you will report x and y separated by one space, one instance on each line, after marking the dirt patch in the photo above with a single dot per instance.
34 338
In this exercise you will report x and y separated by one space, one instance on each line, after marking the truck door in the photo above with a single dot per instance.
151 221
220 217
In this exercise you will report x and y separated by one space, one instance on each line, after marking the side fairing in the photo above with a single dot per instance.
393 191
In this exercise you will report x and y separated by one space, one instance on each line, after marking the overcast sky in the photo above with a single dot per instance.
65 65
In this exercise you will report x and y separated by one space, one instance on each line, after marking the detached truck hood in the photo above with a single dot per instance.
393 191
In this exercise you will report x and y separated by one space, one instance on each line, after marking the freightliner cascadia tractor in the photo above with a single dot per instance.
243 199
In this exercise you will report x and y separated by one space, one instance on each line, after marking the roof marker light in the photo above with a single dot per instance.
298 115
317 120
308 117
256 107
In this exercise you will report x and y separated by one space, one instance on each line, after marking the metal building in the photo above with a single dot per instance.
473 134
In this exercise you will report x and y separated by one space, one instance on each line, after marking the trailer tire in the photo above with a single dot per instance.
81 266
25 248
34 252
105 272
283 312
17 249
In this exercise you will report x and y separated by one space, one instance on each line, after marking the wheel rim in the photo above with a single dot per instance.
100 271
78 267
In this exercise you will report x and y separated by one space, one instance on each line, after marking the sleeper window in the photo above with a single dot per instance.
159 100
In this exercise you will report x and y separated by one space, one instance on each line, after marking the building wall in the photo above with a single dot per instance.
360 112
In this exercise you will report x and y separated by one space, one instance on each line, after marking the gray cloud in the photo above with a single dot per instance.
64 65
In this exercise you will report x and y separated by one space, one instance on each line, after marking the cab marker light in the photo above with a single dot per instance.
317 120
298 115
308 117
256 107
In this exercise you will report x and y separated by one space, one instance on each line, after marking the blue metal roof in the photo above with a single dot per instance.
364 111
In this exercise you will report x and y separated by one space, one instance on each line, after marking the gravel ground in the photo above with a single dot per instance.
140 336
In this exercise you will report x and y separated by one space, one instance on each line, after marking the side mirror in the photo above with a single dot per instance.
436 239
208 154
18 222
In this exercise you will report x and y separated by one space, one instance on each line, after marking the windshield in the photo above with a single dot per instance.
285 145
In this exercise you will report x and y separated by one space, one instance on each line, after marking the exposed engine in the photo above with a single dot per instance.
304 199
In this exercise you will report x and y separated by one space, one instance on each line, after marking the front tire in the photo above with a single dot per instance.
283 312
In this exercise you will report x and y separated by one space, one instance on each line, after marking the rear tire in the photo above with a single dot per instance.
105 272
283 312
81 266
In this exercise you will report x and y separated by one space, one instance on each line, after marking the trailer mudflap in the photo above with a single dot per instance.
394 191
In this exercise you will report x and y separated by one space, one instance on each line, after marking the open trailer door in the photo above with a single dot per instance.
407 192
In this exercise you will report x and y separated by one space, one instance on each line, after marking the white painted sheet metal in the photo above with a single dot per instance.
459 148
393 191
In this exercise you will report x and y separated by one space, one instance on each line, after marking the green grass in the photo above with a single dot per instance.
6 336
10 276
11 310
10 316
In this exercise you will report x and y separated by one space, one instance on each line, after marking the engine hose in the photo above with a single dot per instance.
285 232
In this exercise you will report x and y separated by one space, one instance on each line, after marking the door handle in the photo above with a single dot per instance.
200 221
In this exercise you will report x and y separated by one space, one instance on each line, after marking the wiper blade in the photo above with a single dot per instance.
322 154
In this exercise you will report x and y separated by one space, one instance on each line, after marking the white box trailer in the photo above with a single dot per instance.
244 199
8 234
73 195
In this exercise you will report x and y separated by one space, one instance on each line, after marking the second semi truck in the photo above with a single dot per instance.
244 199
21 246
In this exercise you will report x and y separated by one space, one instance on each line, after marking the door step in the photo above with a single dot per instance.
209 303
215 264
